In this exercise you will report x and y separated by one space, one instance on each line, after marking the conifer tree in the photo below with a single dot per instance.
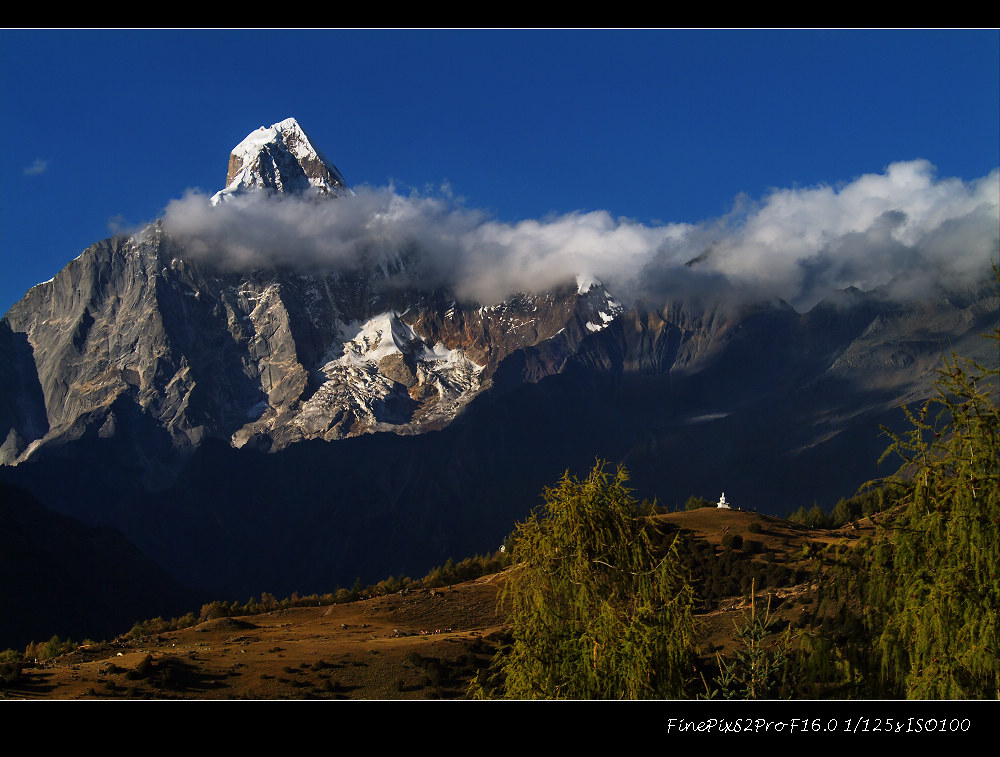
596 612
929 583
759 667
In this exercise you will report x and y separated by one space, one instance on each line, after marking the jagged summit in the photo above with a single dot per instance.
281 158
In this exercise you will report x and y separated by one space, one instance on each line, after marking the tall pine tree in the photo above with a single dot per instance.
596 611
928 585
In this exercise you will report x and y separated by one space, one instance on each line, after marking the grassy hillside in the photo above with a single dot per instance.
425 643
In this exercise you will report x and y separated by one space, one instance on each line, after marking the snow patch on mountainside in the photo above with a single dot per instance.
386 334
603 306
388 378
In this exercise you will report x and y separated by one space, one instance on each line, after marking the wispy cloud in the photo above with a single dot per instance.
118 225
903 228
40 166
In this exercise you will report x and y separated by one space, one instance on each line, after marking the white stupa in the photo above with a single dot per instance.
723 503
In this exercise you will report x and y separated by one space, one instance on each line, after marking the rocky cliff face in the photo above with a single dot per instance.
266 357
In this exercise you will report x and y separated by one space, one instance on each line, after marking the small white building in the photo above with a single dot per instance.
723 503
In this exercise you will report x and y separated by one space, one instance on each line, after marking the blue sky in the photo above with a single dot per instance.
102 129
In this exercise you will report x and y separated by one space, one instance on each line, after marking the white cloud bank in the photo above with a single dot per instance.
903 228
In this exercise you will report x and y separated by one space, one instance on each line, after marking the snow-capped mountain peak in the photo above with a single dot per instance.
281 158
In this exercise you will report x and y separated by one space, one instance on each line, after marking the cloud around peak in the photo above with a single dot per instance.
904 228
